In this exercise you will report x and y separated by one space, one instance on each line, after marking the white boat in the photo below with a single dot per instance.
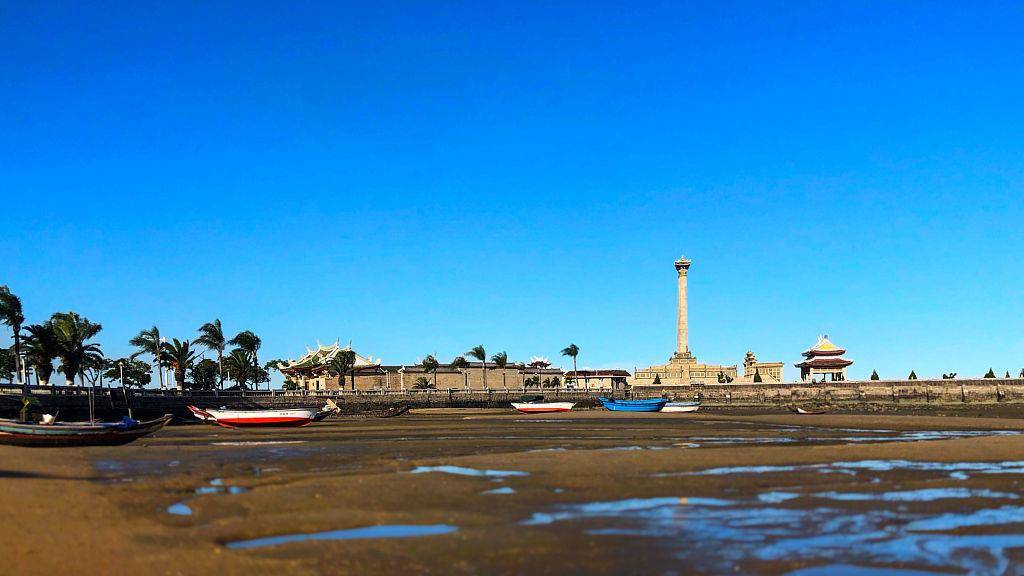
542 407
255 418
681 407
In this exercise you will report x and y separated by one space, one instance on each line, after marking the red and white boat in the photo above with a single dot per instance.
542 407
255 418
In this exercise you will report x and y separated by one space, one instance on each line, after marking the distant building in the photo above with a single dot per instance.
824 359
311 371
597 379
683 369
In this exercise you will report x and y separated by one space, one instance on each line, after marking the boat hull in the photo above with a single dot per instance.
256 418
681 407
61 435
542 408
652 405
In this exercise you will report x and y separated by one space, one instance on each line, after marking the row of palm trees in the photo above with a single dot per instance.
180 356
65 336
430 363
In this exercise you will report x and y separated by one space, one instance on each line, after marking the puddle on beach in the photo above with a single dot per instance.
179 509
216 486
502 490
385 531
462 471
716 535
955 470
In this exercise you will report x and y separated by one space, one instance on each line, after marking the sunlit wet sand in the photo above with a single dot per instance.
489 492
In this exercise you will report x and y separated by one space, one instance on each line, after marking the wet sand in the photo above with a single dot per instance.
583 492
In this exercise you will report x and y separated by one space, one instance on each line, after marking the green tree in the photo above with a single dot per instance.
500 361
341 364
423 383
211 337
148 342
572 351
757 376
990 374
7 364
874 375
430 365
205 375
41 349
657 380
75 351
181 356
1007 376
480 354
460 363
239 367
248 341
12 315
913 376
136 372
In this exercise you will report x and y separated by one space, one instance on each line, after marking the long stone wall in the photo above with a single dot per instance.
73 403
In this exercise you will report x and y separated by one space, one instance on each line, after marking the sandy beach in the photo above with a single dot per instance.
497 493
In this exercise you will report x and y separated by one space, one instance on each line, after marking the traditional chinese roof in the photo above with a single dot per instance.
597 374
824 354
824 347
314 360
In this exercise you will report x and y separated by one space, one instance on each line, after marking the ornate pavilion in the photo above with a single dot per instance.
824 359
310 371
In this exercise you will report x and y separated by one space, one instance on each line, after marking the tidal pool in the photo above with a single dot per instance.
383 531
463 471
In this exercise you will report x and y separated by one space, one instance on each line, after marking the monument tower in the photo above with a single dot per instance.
682 330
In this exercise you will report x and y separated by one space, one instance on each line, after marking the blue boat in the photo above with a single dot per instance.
649 405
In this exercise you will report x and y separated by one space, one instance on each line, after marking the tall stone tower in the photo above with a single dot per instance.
682 328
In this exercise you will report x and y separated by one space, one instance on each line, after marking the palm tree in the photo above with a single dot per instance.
430 364
460 363
574 351
12 315
211 336
41 349
501 361
239 366
75 352
148 342
342 363
249 342
181 356
480 354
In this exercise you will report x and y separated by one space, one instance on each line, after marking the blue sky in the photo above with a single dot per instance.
422 178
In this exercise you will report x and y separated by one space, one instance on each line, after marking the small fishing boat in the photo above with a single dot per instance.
815 410
255 418
649 405
681 407
329 408
542 407
59 434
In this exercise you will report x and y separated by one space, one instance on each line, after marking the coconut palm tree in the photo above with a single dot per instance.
12 315
574 351
430 364
211 337
181 356
248 342
480 354
501 361
461 364
148 342
41 349
239 366
75 352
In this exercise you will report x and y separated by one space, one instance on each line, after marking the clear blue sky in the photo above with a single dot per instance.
423 178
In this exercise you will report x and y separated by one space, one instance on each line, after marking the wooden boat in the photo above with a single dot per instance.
59 434
256 418
681 407
649 405
542 407
799 410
